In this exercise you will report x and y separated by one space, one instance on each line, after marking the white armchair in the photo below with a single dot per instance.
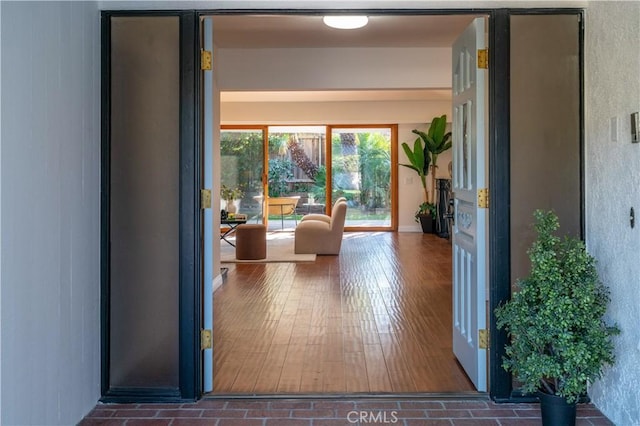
322 235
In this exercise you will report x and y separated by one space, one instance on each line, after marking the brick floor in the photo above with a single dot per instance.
328 412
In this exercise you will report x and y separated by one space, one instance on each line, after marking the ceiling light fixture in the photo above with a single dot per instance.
345 22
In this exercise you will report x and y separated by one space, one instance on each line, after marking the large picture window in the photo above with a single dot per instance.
297 163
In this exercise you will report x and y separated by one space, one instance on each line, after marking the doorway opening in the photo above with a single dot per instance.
320 327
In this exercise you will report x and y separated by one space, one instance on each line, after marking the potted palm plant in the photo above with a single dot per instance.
423 159
437 140
559 340
419 160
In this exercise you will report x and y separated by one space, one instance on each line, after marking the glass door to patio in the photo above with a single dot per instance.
296 176
277 174
242 158
363 170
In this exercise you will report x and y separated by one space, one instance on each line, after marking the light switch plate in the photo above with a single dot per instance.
613 128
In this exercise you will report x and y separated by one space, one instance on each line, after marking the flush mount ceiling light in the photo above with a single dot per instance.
345 22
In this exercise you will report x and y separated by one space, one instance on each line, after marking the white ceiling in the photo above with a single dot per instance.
284 31
308 31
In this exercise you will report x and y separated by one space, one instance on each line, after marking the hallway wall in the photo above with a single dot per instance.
334 68
50 191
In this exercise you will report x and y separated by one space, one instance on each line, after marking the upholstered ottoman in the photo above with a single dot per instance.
251 242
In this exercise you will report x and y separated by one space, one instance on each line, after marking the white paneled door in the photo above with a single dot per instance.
208 240
470 225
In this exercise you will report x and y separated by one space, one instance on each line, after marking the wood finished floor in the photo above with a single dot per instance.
377 318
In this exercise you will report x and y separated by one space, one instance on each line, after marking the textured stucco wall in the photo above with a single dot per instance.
50 191
612 89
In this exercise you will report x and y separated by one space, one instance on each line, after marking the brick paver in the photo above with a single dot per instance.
329 412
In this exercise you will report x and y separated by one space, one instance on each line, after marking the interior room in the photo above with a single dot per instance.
377 316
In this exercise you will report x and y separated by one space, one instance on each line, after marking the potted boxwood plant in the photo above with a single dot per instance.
423 160
559 340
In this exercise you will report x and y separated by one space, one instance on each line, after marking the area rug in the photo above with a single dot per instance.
279 249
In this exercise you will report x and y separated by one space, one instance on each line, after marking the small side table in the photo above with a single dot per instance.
232 224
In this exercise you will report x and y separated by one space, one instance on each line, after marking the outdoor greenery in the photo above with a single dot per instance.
280 171
361 166
375 170
241 165
344 163
559 340
319 187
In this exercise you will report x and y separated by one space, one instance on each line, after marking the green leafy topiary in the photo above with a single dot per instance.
559 341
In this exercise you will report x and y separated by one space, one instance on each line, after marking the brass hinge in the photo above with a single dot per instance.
483 198
483 58
206 341
206 63
205 198
483 339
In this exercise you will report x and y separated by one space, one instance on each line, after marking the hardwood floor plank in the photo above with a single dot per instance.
312 368
352 339
291 374
247 376
355 372
399 374
333 350
225 375
269 375
377 372
333 378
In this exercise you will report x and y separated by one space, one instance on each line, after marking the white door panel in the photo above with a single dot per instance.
207 295
469 231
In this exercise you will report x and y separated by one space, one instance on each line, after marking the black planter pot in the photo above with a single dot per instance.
428 223
556 411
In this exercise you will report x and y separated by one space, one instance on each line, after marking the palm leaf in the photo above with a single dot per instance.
437 128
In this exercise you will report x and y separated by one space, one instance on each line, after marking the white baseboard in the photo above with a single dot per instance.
217 282
410 228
